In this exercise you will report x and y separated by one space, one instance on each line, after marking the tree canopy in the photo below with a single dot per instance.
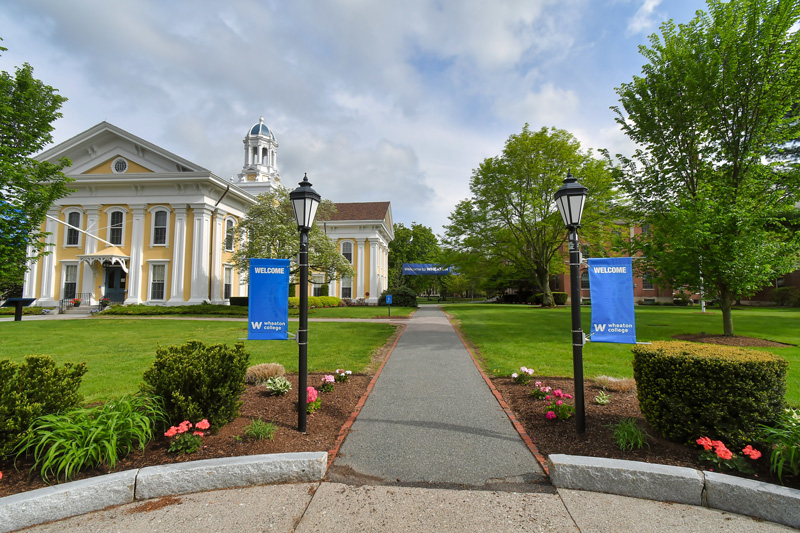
28 187
416 244
510 228
714 102
270 231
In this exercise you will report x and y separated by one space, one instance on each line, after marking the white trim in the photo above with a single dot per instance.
109 211
233 233
178 254
114 165
226 270
65 263
153 210
152 264
67 212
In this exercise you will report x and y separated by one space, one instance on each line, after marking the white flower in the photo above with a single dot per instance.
514 375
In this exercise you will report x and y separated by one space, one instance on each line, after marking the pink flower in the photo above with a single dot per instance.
327 378
548 397
184 426
751 452
723 452
568 396
1 475
198 433
537 384
514 375
557 393
559 402
312 394
203 424
550 415
339 370
171 432
705 442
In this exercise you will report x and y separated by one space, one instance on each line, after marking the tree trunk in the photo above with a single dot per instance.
725 304
547 295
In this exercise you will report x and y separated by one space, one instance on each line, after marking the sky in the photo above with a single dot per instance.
375 99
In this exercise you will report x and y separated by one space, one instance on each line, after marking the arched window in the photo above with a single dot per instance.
160 218
73 236
347 251
585 280
230 224
115 227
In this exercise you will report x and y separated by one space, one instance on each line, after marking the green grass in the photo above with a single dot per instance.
118 351
360 312
239 311
510 336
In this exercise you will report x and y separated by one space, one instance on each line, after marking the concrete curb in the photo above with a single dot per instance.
677 484
87 495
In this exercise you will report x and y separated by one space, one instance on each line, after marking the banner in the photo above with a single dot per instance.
425 269
268 309
611 289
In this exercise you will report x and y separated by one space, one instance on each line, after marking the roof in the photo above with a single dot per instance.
361 211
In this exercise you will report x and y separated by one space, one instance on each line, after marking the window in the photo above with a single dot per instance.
228 286
115 227
347 287
585 280
70 281
347 252
73 235
647 283
157 276
160 228
119 165
229 225
317 280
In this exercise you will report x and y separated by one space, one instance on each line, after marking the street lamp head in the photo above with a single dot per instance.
570 198
304 202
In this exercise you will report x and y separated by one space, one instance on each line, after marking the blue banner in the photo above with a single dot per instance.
268 310
425 269
611 289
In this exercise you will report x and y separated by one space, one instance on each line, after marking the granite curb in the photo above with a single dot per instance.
677 484
87 495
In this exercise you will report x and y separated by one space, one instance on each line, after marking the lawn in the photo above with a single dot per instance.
237 311
118 351
510 336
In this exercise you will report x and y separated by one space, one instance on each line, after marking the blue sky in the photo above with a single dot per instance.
375 100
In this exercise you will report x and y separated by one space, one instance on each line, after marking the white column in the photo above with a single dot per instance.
360 269
374 287
29 281
200 251
134 282
178 255
90 247
216 259
47 295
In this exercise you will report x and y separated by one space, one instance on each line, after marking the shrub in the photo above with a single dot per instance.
277 386
258 374
404 296
628 436
510 299
560 298
66 443
784 440
198 381
785 296
690 389
615 384
31 389
324 289
241 301
536 299
260 430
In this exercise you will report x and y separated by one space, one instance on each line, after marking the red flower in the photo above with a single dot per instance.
705 442
723 452
751 452
203 424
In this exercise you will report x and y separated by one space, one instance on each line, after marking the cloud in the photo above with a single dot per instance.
645 19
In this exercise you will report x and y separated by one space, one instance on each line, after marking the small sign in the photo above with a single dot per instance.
268 312
388 299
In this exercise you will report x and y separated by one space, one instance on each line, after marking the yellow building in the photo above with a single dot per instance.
144 225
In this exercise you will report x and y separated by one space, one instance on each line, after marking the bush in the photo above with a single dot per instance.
32 389
324 289
536 299
277 386
784 440
159 310
403 296
198 381
510 299
785 296
688 390
64 444
560 298
241 301
258 374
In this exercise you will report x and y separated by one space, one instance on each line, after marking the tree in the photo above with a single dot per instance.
511 221
416 244
28 187
714 101
270 231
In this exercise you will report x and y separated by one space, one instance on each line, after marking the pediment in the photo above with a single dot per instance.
95 150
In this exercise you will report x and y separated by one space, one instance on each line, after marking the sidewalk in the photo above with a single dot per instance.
431 450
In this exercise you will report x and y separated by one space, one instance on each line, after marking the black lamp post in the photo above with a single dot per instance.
570 198
304 201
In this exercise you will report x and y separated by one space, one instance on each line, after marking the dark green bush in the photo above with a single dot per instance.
32 389
785 296
241 301
324 290
560 298
159 310
404 296
198 381
691 390
535 299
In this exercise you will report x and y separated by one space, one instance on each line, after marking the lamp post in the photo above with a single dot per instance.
570 198
304 202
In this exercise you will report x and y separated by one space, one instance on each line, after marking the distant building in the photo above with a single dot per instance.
144 225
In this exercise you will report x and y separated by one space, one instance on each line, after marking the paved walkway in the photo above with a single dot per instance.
432 421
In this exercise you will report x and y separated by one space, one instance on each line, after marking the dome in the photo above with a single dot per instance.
261 129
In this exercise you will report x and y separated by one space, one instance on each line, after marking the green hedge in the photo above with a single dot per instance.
691 390
404 296
198 381
159 310
315 301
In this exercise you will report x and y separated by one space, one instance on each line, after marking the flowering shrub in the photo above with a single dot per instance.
183 441
313 401
725 459
76 301
524 377
327 383
342 376
557 408
540 391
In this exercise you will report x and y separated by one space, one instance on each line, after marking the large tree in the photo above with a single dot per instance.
416 244
714 100
28 187
270 231
512 221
